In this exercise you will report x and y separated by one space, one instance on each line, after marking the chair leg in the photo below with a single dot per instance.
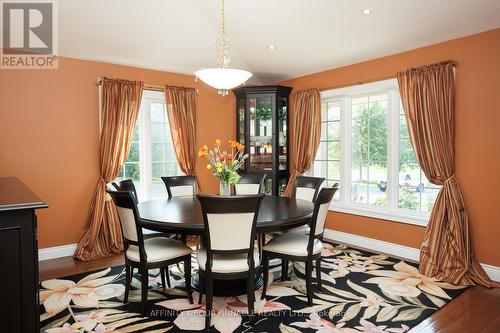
187 277
201 284
162 274
128 280
167 277
208 306
284 270
318 273
265 268
144 289
308 282
251 293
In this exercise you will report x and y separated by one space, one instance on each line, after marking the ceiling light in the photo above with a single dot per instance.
367 11
223 78
271 47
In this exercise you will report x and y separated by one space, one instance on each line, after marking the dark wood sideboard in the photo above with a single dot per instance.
18 257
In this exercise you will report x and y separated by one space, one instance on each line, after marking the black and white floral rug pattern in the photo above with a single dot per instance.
362 292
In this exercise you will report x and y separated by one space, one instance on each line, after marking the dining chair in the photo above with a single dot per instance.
306 188
180 186
126 185
304 248
229 250
145 254
249 183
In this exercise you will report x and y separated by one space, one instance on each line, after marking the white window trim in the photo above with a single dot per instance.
344 205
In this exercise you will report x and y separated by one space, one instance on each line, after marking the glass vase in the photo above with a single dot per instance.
224 188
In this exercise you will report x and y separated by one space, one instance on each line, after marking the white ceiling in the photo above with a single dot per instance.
309 35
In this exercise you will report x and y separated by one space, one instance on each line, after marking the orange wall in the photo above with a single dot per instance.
49 135
477 135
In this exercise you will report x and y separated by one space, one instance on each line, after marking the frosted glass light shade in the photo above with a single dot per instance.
223 78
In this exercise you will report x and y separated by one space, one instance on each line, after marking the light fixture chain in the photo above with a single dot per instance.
223 28
223 42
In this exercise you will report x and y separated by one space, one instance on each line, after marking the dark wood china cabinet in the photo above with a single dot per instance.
19 257
262 126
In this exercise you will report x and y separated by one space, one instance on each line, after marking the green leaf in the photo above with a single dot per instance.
342 293
414 301
363 290
436 300
351 312
409 314
396 298
387 313
336 310
370 311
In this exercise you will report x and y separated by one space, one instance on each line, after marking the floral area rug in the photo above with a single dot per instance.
362 292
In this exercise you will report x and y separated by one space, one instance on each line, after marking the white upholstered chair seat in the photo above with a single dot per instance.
227 263
159 249
292 244
302 230
147 232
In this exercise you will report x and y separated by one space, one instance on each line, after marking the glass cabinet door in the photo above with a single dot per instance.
241 121
282 133
261 132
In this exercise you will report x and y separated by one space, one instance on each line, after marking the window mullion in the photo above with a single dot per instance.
146 166
393 150
345 149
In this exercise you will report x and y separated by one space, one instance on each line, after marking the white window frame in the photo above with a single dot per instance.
144 186
344 205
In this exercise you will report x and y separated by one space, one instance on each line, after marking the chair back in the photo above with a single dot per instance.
128 213
320 212
128 186
230 225
180 186
307 188
250 183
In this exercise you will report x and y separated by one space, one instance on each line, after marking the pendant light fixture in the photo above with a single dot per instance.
223 78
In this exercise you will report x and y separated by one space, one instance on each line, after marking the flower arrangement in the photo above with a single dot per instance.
223 164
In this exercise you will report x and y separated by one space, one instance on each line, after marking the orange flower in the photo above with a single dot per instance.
217 142
233 144
202 153
241 147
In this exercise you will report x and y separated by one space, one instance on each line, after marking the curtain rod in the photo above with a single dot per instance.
151 87
387 77
382 78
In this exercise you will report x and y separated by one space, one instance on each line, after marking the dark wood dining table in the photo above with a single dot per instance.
182 215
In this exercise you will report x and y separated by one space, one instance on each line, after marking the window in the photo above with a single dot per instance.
327 162
365 147
152 154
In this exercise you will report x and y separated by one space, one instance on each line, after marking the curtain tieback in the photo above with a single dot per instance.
449 178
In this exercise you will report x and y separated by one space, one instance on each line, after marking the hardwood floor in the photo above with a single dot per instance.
476 310
56 268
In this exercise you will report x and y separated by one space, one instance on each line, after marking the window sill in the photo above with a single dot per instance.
402 217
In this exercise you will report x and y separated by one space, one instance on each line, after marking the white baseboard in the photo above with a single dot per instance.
56 252
398 250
